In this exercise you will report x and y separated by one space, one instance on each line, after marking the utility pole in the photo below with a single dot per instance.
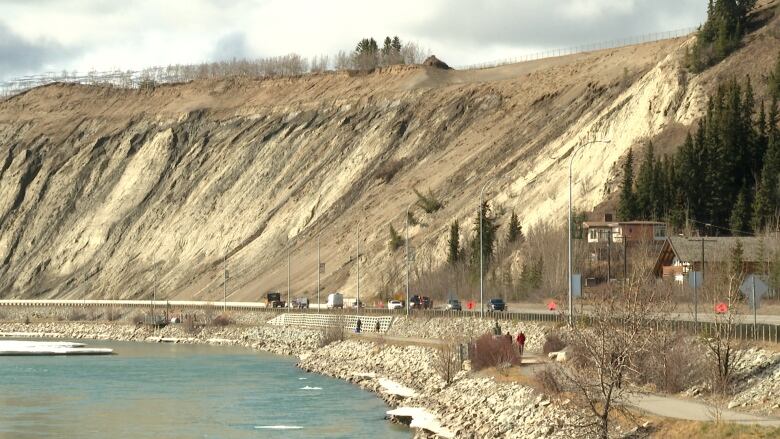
482 252
288 278
695 283
357 260
406 251
609 256
318 273
569 279
224 285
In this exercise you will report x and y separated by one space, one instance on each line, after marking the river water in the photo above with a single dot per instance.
181 391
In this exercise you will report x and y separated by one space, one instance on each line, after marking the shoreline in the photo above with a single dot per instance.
471 406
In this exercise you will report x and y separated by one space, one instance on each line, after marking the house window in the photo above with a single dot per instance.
592 234
659 231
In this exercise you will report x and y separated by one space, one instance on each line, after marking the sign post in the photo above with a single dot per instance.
754 289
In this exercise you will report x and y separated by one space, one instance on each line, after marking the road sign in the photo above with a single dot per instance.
721 308
322 267
576 285
754 289
694 279
552 306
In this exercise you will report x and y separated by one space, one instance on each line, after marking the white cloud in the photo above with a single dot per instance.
107 34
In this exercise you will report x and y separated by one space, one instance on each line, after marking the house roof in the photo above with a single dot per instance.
588 224
718 249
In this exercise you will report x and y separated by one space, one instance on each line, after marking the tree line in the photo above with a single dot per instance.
721 33
724 174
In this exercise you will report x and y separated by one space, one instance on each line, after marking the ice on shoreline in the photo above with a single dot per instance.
29 347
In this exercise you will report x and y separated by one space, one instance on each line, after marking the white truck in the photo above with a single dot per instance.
335 300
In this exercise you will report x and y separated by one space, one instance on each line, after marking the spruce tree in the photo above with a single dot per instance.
515 232
395 240
739 221
627 206
489 229
647 186
453 244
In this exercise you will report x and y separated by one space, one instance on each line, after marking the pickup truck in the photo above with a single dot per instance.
274 300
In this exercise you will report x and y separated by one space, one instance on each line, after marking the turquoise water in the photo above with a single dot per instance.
181 391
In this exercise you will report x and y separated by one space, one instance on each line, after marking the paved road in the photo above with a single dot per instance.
671 407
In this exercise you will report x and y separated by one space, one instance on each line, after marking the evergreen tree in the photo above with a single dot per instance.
515 232
627 206
737 261
647 188
721 33
774 79
395 240
453 244
489 229
396 44
740 215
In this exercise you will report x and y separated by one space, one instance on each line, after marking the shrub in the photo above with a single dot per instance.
189 324
548 381
333 333
222 320
428 202
387 170
552 343
492 351
446 361
137 318
76 315
395 242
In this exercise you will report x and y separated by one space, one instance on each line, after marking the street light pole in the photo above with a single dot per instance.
357 260
224 285
318 273
288 278
482 251
406 251
571 163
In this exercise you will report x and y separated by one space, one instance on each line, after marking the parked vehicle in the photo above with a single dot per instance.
496 305
335 300
453 305
301 302
415 302
351 302
426 302
395 304
274 300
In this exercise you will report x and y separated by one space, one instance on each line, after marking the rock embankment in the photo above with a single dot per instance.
470 407
276 339
466 328
758 381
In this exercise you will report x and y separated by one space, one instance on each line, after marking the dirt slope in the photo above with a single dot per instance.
99 186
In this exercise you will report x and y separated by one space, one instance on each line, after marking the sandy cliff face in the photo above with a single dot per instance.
102 189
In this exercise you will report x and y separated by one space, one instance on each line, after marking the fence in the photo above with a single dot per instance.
590 47
764 332
134 79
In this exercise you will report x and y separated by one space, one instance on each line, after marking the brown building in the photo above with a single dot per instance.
679 255
631 231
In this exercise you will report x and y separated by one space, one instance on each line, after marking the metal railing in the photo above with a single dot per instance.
764 332
590 47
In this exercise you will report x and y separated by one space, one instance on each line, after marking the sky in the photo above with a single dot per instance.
51 35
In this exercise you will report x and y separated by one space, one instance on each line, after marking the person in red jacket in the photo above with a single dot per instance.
521 343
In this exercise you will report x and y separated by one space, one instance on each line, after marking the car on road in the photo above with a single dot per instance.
453 305
301 303
415 302
395 304
496 305
426 302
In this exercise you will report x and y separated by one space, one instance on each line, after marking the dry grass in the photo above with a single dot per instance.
668 429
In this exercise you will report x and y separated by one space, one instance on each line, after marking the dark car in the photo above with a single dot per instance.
426 303
497 305
415 302
454 305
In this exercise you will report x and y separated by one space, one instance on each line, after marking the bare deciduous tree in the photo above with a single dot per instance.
446 361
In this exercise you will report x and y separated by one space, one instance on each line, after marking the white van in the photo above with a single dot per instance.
335 300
